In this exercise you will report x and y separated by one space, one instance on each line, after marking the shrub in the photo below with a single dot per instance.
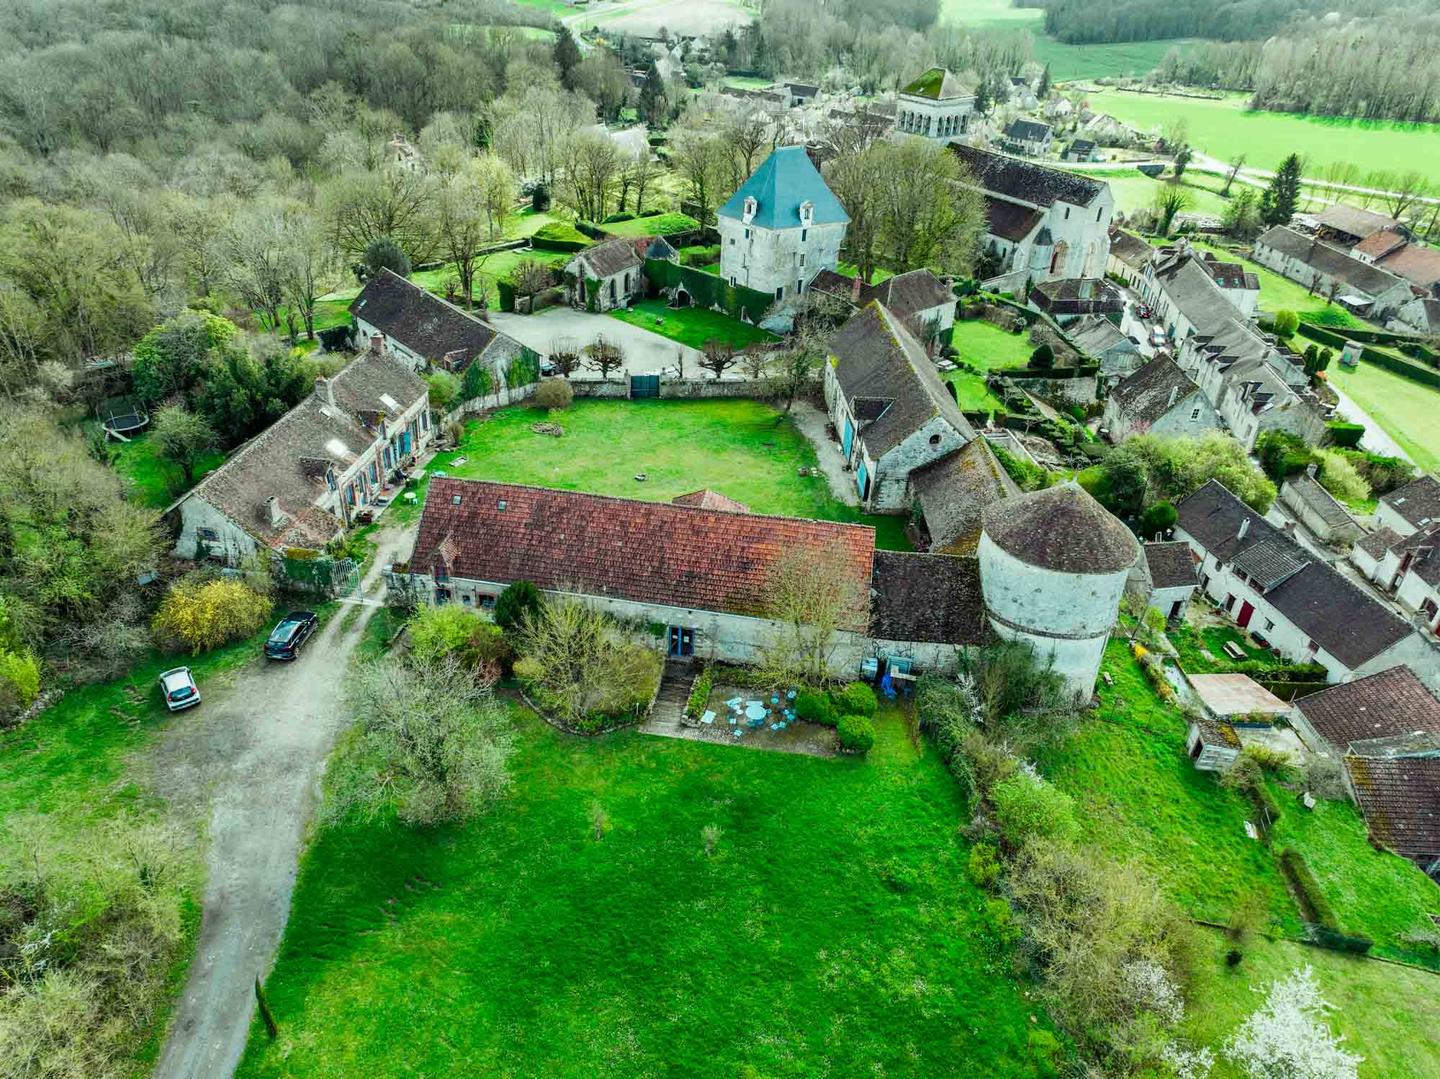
983 866
1341 478
518 600
623 215
204 616
857 733
444 633
1304 882
1043 357
444 388
1286 323
856 699
1347 435
700 693
19 680
558 236
1027 807
815 707
554 393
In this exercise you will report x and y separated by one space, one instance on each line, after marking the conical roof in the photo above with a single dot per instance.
1061 528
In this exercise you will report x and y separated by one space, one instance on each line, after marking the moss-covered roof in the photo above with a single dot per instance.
938 85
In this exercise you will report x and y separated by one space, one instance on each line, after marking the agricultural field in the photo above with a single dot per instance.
1224 127
831 930
692 326
649 17
1404 408
744 449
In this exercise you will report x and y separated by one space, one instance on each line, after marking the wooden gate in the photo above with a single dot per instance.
642 386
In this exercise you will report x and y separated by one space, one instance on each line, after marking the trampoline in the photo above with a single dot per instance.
123 416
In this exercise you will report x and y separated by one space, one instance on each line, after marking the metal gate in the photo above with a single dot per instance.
644 386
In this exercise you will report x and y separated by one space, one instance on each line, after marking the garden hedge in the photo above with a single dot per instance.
558 236
1394 364
709 290
507 294
1344 434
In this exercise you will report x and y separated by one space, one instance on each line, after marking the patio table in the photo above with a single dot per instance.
754 710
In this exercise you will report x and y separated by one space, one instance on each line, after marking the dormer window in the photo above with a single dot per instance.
747 213
807 214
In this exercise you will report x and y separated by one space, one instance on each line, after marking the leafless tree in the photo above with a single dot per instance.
566 356
813 593
717 357
605 356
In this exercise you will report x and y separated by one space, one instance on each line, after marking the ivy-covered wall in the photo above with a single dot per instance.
708 289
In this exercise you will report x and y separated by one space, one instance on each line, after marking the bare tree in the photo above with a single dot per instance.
637 178
592 169
814 594
1403 190
717 357
566 357
531 276
472 207
754 362
1236 164
605 356
392 201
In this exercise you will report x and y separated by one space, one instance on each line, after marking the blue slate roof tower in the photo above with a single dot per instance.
782 227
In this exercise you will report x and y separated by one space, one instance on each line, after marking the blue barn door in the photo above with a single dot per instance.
862 479
849 438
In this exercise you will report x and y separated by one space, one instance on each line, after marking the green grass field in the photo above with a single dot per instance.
1404 408
691 326
1224 128
831 932
989 347
1134 191
971 392
1202 651
668 224
744 449
153 482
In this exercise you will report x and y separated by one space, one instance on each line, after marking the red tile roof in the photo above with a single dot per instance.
647 552
710 500
1400 798
1382 705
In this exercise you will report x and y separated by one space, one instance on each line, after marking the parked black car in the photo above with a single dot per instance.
287 637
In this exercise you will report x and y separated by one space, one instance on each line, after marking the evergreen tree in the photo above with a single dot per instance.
1043 90
567 56
982 96
1278 203
652 97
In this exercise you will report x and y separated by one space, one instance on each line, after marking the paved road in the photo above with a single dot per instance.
645 353
256 750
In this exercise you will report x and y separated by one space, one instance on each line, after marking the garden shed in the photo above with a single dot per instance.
1212 746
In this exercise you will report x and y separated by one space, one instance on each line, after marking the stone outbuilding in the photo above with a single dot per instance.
427 332
1053 566
613 273
1317 509
1165 576
951 495
1158 399
1211 746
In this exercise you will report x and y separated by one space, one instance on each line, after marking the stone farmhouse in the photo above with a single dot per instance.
951 494
1042 223
924 303
891 409
1332 272
1421 314
1029 137
427 332
1129 255
1165 576
1345 226
782 227
1158 399
1067 300
701 576
1117 354
1410 508
1383 242
613 273
1316 509
938 106
307 476
1297 602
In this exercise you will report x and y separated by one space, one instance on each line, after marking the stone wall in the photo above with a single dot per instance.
1072 391
762 389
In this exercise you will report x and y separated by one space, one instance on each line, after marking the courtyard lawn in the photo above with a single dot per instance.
691 326
1135 192
1404 408
1379 1007
153 482
1202 651
1224 128
1139 798
744 449
987 346
1373 893
831 931
971 393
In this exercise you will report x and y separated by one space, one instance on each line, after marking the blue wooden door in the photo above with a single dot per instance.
849 438
404 442
862 479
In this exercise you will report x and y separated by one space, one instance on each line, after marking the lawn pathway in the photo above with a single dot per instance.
260 748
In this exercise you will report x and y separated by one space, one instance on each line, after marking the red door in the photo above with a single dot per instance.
1246 610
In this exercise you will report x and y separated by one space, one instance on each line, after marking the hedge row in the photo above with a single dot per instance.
1344 434
709 290
1393 364
1060 373
1325 930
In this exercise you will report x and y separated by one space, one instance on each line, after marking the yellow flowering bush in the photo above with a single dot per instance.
200 617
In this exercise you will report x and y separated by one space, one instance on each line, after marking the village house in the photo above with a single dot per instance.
892 411
1042 223
924 303
1331 272
1234 711
782 227
1316 509
1158 399
1345 226
1410 508
951 494
1380 241
1400 799
1232 281
1420 314
1129 255
1105 343
427 332
923 610
607 276
1408 567
1165 577
938 106
311 473
1081 150
1070 299
1029 137
1296 602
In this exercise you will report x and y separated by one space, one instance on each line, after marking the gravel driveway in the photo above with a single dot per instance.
645 352
254 753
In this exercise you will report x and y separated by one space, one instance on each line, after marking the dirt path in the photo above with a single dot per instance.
811 422
255 757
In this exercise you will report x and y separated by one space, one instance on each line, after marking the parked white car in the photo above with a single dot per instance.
179 689
1158 338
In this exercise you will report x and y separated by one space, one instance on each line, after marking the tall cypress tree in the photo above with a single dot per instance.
652 97
1278 203
567 56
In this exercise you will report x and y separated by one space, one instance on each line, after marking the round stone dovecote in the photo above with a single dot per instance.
1053 565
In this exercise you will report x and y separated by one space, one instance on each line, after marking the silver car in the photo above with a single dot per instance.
179 689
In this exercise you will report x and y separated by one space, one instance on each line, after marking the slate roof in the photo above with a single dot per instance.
1354 221
1401 802
1009 220
1193 291
287 461
953 493
1026 181
1146 395
1129 248
1379 541
421 321
1320 501
904 295
927 598
1077 296
1418 502
1423 547
1393 702
1330 261
710 500
877 359
611 257
1027 130
1171 564
783 181
1229 275
646 552
939 84
1061 528
1093 335
1341 618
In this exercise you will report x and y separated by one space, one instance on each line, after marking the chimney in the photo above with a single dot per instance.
1244 528
855 285
276 514
1310 470
325 390
1174 393
377 343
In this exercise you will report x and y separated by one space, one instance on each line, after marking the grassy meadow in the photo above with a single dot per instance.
832 930
1406 409
692 326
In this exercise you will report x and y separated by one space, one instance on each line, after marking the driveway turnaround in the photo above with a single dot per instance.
256 750
645 353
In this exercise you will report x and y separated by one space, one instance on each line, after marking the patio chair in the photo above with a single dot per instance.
708 718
